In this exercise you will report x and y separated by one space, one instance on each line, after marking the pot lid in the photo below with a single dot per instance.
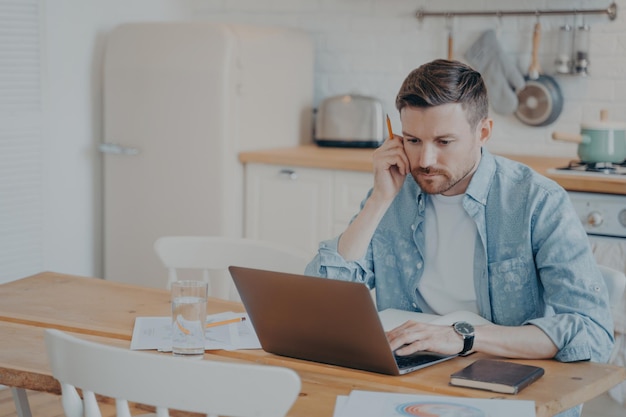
604 123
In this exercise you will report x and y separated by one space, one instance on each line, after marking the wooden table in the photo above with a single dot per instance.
105 311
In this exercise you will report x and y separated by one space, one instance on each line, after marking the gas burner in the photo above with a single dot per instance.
603 167
606 168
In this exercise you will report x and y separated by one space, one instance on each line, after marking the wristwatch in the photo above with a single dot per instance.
466 331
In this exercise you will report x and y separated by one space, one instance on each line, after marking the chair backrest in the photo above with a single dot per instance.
166 382
214 254
615 282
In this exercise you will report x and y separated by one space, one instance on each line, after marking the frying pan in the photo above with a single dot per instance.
541 100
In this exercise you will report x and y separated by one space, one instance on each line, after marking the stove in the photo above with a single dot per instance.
592 169
602 215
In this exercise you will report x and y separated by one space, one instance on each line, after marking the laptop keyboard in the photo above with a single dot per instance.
416 359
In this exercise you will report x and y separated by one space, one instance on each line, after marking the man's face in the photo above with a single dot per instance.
442 148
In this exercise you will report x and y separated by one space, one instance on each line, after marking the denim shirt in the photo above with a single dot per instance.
532 263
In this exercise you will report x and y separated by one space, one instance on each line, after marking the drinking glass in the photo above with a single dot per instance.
189 300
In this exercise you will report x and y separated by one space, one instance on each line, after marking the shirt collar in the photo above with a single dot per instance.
479 185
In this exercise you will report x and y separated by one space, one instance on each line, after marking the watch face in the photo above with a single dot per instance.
464 328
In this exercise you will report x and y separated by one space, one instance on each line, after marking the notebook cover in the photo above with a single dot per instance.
499 376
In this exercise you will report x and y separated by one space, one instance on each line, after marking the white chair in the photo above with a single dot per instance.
165 382
615 283
214 254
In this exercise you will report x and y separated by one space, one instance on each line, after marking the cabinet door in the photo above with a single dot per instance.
288 205
350 188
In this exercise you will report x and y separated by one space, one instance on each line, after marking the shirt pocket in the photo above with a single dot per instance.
514 291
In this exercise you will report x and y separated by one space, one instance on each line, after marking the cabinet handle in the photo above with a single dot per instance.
290 173
113 148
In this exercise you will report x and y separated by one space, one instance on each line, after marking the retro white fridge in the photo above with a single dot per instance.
181 100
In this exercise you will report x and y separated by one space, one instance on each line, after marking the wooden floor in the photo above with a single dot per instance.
46 405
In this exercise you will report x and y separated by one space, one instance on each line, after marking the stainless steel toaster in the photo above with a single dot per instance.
349 121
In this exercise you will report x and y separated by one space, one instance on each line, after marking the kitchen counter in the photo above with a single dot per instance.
351 159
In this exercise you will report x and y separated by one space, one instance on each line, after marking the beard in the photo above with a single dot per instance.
442 182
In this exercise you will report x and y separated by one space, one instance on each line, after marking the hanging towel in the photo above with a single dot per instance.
501 76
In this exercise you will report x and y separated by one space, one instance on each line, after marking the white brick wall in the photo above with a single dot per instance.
369 46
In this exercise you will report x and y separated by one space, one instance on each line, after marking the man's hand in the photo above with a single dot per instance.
412 337
391 165
521 342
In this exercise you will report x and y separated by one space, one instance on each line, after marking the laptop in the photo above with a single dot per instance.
323 320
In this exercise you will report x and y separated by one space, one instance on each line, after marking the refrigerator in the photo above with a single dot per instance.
180 101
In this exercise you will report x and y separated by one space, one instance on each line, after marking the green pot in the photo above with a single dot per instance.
601 141
602 145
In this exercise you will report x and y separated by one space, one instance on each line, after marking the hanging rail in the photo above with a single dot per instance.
611 11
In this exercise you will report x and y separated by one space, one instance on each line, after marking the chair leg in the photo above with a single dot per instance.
20 398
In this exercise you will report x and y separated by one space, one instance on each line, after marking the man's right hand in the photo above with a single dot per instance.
391 166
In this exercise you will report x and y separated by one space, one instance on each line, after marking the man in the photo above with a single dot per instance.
448 226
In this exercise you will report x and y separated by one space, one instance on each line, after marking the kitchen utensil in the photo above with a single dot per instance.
563 62
349 121
599 141
541 100
581 50
450 40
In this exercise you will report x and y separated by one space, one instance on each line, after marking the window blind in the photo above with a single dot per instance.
21 159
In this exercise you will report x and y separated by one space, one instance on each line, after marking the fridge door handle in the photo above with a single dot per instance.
288 173
113 148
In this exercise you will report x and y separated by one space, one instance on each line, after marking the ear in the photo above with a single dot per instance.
483 130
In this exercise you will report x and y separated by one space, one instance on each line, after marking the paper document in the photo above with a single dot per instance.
376 404
156 333
340 404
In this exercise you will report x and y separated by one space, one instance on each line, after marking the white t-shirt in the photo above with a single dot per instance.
447 282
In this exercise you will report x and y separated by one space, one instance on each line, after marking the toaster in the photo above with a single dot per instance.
349 121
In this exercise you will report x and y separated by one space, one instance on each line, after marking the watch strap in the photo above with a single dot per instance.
468 344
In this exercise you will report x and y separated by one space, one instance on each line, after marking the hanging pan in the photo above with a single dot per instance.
540 101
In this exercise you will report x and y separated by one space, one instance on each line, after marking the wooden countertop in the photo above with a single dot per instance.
353 159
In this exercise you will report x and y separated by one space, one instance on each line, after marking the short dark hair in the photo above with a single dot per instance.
442 82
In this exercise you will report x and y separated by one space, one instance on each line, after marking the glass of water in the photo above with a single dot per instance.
189 299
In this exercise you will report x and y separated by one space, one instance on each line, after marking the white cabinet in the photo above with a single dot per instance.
349 189
301 206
